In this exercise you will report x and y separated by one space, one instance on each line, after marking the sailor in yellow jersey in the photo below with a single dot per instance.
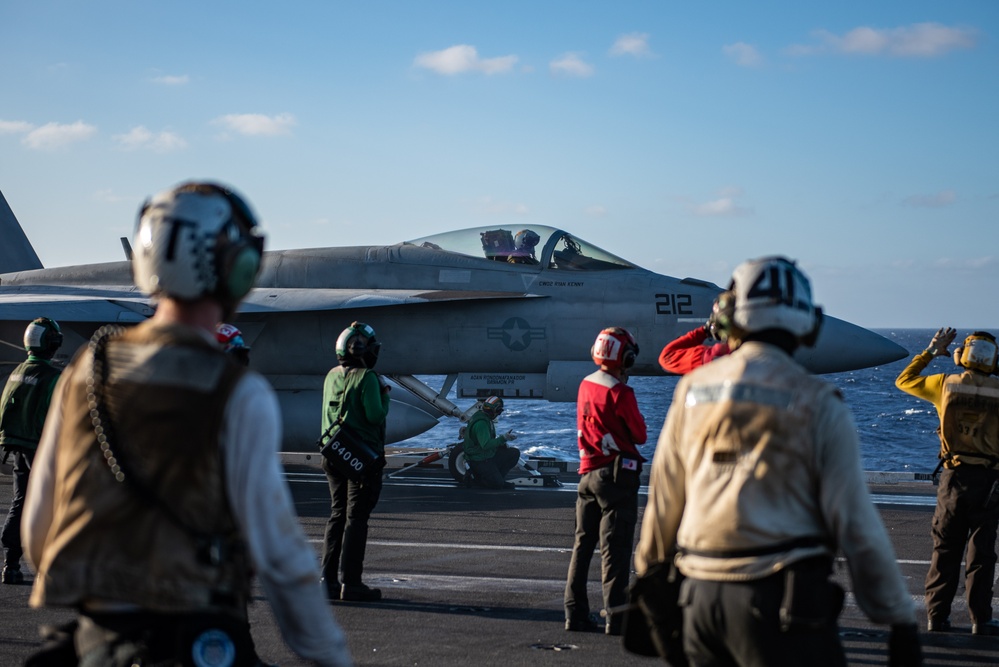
967 512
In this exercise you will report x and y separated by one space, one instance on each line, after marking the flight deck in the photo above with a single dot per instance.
476 576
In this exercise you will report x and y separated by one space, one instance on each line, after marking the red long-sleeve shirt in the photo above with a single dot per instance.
608 421
687 352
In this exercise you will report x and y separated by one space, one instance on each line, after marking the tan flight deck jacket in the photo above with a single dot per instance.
756 452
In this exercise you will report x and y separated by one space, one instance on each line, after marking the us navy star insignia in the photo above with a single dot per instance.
516 334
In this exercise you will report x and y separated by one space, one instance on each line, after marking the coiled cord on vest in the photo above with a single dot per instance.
95 396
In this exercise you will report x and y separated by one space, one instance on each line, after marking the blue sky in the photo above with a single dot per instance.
859 138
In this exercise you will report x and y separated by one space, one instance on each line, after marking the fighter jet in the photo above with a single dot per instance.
509 310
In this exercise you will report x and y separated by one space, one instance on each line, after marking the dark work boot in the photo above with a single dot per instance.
988 628
12 575
359 593
331 588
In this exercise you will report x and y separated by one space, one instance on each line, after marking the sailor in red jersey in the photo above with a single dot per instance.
684 354
610 426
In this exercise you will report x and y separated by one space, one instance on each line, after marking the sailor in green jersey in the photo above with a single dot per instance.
23 408
354 392
488 456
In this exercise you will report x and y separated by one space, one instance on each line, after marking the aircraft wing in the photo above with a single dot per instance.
68 303
263 300
96 303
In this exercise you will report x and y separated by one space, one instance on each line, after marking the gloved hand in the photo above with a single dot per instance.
941 340
509 436
903 645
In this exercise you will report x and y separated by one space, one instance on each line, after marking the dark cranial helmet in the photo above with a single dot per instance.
42 338
357 345
614 348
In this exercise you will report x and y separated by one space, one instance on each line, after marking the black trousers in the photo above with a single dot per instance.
10 537
738 624
491 473
347 528
606 514
962 519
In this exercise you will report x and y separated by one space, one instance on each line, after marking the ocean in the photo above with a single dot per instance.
897 431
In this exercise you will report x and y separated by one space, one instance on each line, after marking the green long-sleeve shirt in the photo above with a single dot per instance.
356 394
481 441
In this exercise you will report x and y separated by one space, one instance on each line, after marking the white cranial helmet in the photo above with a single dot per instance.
198 239
773 293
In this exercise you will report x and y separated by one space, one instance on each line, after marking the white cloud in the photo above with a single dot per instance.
140 137
110 197
724 206
255 124
919 40
633 44
463 58
595 211
571 64
938 200
171 80
55 135
743 55
15 127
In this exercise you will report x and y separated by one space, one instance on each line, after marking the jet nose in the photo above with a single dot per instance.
845 347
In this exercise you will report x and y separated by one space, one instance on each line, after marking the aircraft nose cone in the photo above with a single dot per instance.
844 347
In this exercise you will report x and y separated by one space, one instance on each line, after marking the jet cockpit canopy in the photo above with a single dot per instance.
530 245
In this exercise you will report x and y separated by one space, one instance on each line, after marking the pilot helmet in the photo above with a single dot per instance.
978 352
614 348
525 241
42 338
357 345
768 293
198 239
231 340
492 406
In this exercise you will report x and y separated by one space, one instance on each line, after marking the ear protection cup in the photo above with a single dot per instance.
628 360
240 264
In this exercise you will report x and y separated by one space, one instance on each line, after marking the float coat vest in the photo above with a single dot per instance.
166 390
969 420
25 403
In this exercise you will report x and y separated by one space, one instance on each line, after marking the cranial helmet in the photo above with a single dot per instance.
357 345
492 406
42 337
978 352
768 293
232 342
198 239
614 348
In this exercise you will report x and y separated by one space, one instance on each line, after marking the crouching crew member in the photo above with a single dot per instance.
489 458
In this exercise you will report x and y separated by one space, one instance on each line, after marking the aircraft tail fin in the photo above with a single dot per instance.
16 253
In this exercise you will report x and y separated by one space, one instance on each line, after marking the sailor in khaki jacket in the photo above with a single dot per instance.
755 487
157 483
